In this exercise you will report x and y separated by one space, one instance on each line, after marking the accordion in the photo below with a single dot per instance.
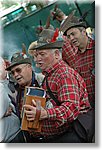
38 95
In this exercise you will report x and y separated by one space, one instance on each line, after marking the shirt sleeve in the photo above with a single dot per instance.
68 95
69 52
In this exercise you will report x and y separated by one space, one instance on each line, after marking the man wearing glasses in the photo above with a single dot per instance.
21 70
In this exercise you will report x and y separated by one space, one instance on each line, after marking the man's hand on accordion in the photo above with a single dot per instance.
35 111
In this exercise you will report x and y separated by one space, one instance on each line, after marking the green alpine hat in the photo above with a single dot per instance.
71 22
18 58
49 39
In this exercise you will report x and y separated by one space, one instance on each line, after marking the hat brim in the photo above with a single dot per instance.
82 24
53 45
25 61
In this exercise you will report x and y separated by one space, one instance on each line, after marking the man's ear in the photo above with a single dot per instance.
29 66
57 54
84 31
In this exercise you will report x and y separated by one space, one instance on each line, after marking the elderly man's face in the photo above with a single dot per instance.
22 74
45 59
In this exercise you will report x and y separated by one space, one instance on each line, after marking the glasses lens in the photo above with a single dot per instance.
12 72
18 70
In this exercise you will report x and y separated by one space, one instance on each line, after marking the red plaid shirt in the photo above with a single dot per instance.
70 90
83 63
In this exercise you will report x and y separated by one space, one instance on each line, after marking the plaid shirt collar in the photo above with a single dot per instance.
90 44
49 71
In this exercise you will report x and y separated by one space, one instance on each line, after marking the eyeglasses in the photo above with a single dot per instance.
18 70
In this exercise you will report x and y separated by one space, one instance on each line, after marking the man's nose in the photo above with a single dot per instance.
71 37
38 58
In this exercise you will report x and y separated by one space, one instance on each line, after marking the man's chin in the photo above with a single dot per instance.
41 67
21 83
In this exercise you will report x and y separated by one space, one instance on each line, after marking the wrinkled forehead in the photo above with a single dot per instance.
72 30
43 50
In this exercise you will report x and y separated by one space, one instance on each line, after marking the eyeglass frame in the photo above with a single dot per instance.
17 70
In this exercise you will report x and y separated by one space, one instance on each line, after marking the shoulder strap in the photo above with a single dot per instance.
34 80
51 94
